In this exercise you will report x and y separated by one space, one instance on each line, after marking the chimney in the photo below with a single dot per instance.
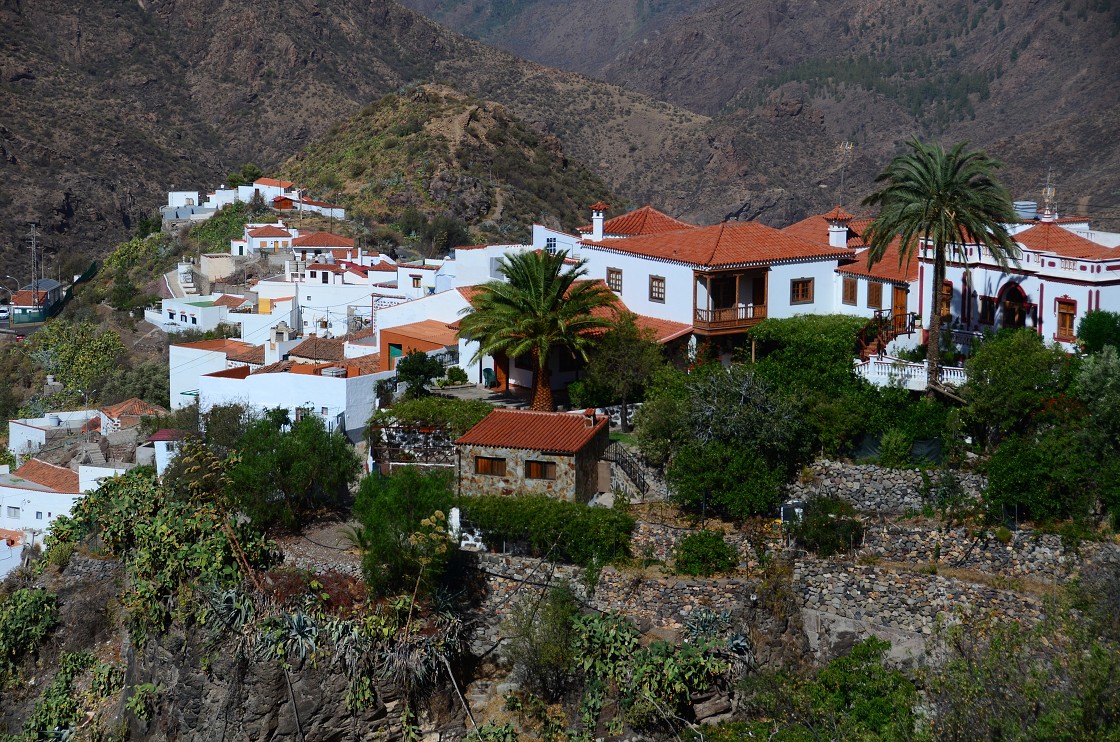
590 417
838 220
597 210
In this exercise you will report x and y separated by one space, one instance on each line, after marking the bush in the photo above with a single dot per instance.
456 375
1045 477
1098 329
725 480
704 554
538 644
558 530
894 449
828 526
26 617
417 369
456 415
586 393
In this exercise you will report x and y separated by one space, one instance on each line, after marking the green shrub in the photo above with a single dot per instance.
456 375
1098 329
59 708
828 526
726 480
1045 477
26 617
586 393
457 415
538 643
561 531
704 554
894 449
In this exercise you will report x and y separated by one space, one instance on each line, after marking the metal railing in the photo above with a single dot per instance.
616 453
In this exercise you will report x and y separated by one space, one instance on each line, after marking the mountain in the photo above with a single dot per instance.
444 153
1031 82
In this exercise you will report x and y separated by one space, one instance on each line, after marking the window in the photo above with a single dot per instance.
874 295
415 282
987 310
170 314
38 515
850 289
550 244
325 276
614 279
947 301
323 411
801 291
489 466
314 274
194 320
1067 312
540 470
523 362
657 289
13 512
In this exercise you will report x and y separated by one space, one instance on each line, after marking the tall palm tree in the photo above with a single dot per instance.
542 304
944 200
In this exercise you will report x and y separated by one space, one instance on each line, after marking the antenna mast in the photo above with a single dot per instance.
33 238
845 152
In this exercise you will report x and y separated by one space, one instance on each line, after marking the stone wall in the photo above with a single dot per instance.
565 486
873 488
1028 554
659 541
843 603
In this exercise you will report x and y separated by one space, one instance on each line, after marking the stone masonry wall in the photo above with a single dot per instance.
873 488
1028 554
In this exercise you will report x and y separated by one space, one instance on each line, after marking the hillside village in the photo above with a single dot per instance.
322 334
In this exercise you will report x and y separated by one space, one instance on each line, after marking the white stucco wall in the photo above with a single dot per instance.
636 272
186 366
36 508
175 199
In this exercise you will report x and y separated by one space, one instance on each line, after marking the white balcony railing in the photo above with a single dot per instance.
889 371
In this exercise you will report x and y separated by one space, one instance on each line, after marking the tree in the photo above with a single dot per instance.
944 200
541 305
417 369
456 415
624 360
78 354
1097 329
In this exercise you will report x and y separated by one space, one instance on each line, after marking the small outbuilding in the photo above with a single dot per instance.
514 452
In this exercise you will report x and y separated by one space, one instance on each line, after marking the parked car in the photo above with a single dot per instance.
20 338
4 313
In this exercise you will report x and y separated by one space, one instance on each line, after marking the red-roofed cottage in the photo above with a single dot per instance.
514 452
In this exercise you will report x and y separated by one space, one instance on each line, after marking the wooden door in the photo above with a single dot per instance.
898 309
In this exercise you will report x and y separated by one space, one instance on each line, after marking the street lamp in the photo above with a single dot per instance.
14 279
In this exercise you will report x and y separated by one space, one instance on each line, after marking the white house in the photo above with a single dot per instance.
27 436
160 448
176 199
35 494
263 238
189 361
331 211
202 313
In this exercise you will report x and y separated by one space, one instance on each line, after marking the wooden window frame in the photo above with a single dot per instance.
947 303
874 288
849 291
988 306
1072 314
416 281
537 469
490 466
657 289
795 284
614 280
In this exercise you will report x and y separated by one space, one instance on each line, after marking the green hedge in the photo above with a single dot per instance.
561 531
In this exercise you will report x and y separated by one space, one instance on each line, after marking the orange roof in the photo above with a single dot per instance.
269 231
838 215
326 267
469 292
319 349
57 478
254 355
230 301
887 269
26 298
815 229
273 182
722 245
226 345
134 406
10 537
600 206
646 220
663 330
323 204
559 432
383 266
430 330
322 239
1049 237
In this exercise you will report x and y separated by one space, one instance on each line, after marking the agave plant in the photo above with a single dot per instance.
705 625
232 608
300 635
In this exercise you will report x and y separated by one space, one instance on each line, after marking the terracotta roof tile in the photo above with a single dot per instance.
723 245
10 537
269 231
277 367
253 356
887 269
319 349
815 229
322 239
57 478
322 204
273 182
838 215
226 346
231 301
561 432
430 330
1051 238
167 434
26 298
646 220
132 407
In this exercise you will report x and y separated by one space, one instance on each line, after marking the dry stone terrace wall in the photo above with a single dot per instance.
1028 554
873 488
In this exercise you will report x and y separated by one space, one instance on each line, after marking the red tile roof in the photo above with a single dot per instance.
167 434
132 407
887 269
600 206
838 215
430 330
254 355
322 239
269 231
319 349
322 204
26 298
273 182
11 538
1051 238
646 220
231 301
723 245
226 346
57 478
326 267
815 229
559 432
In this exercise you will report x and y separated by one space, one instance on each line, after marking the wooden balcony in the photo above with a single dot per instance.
731 319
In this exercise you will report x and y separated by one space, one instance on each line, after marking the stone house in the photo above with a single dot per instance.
514 452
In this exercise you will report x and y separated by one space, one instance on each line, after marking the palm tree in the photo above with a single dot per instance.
943 200
542 304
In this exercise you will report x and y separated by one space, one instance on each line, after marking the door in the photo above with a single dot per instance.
898 309
758 290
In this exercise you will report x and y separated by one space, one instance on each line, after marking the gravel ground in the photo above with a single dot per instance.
322 546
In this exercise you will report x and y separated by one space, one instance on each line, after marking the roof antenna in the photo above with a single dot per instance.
1049 212
845 152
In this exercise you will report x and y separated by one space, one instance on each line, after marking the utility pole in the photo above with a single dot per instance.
33 238
845 150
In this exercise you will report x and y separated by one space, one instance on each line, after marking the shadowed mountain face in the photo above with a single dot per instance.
105 105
